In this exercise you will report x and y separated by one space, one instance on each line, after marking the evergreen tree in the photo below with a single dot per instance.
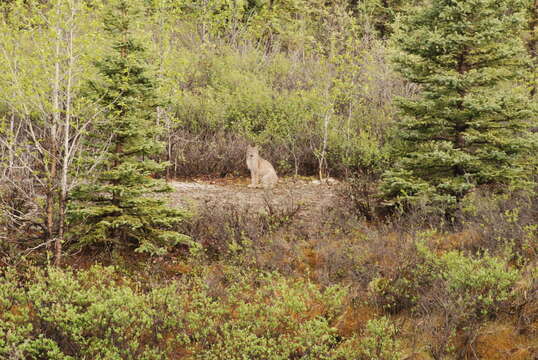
469 124
117 205
381 14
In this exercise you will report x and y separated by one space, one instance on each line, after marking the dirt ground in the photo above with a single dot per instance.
311 195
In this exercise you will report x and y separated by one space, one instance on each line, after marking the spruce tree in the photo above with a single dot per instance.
468 126
118 203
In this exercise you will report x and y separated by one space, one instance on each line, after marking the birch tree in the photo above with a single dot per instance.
43 49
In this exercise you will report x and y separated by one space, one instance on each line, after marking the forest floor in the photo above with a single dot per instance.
309 196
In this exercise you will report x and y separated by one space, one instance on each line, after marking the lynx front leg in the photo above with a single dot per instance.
256 179
253 180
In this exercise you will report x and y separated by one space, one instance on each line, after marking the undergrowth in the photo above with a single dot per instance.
269 284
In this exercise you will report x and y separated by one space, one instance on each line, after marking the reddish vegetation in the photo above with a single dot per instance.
309 230
354 319
501 341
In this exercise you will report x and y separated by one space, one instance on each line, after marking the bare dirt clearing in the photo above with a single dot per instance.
309 195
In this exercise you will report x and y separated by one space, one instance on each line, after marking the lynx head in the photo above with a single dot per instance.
252 152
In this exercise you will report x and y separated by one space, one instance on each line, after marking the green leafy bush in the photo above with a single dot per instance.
101 314
380 342
475 285
480 284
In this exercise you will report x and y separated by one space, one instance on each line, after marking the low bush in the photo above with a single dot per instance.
101 314
477 284
380 341
226 230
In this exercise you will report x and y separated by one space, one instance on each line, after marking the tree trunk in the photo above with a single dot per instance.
53 145
323 160
532 44
11 152
67 150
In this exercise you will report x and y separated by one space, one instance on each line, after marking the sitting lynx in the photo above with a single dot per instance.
261 170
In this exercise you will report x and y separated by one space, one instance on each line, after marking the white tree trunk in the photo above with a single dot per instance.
323 155
67 148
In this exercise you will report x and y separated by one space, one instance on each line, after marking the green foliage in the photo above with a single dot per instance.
474 286
278 330
98 314
382 14
115 206
270 74
477 283
308 80
468 127
380 342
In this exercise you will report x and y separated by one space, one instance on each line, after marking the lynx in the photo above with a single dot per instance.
261 170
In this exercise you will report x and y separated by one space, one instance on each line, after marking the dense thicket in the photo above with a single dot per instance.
307 81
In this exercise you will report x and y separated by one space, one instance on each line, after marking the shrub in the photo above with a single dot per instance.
225 230
466 291
380 342
476 285
101 314
404 283
479 284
